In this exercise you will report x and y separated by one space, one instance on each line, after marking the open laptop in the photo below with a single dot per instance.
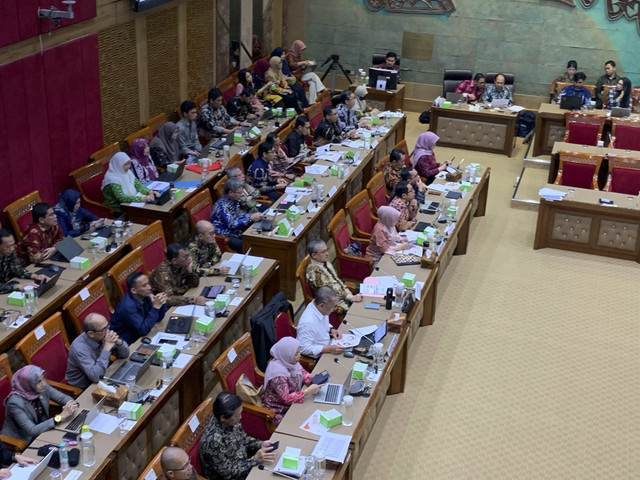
67 248
31 472
455 97
620 112
332 393
44 287
235 267
228 140
163 198
254 122
500 103
376 336
172 176
570 103
84 417
129 368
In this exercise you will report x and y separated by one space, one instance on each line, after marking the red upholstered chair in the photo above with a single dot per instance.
624 175
88 180
314 114
359 210
403 145
228 89
377 190
94 298
324 98
198 207
635 97
350 267
154 469
19 212
383 161
625 133
578 169
151 240
189 440
582 128
47 346
154 123
200 99
131 262
5 387
256 421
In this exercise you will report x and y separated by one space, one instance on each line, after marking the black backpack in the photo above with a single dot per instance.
526 123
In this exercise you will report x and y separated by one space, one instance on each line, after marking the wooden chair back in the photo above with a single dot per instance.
578 169
154 469
19 212
188 439
591 88
359 210
105 154
131 262
301 275
324 98
349 266
144 132
605 94
154 123
47 346
219 187
151 240
314 114
200 99
228 89
635 97
583 128
624 175
88 180
625 133
377 190
94 298
383 161
198 207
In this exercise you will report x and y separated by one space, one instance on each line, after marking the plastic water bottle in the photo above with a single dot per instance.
227 153
167 368
29 300
87 446
347 410
64 457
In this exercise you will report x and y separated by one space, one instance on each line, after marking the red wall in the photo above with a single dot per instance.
50 118
19 18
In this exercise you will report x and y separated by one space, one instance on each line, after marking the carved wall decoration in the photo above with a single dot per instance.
429 7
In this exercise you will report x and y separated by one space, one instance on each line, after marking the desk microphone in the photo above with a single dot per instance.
378 269
461 162
262 467
337 360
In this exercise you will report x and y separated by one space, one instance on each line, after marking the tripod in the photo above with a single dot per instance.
334 65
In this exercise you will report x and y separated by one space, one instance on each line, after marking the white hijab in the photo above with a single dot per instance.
116 174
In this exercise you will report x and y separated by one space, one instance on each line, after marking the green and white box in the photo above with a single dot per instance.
166 348
290 458
204 324
98 242
79 263
222 300
359 370
132 411
237 137
331 418
16 298
172 168
293 213
409 279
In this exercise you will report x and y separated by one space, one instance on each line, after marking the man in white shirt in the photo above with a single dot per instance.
314 330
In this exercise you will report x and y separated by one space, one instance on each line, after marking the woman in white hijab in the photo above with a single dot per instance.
121 186
361 108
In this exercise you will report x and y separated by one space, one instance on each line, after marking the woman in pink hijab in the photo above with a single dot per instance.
297 65
143 167
424 160
285 381
384 236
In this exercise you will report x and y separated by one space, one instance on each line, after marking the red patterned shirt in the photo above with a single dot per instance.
282 392
35 240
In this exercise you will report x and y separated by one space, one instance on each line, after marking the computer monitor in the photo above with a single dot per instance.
380 73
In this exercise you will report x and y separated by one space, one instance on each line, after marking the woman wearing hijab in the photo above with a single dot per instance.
245 80
384 236
297 65
72 218
164 148
361 108
296 88
143 167
262 85
285 381
280 84
424 160
121 186
27 406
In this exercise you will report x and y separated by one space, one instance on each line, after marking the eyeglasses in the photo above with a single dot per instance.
101 330
323 251
184 467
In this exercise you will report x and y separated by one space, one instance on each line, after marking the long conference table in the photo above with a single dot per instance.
290 250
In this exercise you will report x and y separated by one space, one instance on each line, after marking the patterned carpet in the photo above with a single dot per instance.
530 370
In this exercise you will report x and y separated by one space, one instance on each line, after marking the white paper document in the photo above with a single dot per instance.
348 340
104 423
438 187
313 425
324 149
368 289
333 445
362 331
332 157
413 251
316 169
188 311
179 339
251 260
236 301
412 235
551 193
182 360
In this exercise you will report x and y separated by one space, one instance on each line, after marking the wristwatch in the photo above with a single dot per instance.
57 419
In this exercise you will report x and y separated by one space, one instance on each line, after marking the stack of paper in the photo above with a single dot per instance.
333 446
551 193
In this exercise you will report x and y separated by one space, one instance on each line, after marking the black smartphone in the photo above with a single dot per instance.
170 342
274 447
70 437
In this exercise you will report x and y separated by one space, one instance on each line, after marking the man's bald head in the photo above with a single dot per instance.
205 231
203 226
94 322
176 464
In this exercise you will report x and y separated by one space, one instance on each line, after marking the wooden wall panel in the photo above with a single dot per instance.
200 51
162 58
118 81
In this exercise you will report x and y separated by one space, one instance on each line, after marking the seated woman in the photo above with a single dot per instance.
393 168
620 96
278 167
298 90
27 406
384 236
143 167
259 82
297 65
285 381
280 84
245 79
405 202
164 148
424 160
565 77
120 186
72 218
361 108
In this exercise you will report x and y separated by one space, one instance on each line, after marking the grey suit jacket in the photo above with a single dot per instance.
20 416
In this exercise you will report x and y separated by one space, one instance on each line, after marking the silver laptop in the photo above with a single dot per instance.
129 368
620 112
455 97
332 393
499 103
85 417
31 472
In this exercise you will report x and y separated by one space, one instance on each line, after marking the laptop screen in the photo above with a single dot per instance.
380 332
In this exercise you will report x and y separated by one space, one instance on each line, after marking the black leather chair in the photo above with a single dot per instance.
452 79
379 58
490 78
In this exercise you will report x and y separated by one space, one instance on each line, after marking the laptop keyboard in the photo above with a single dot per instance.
77 422
332 392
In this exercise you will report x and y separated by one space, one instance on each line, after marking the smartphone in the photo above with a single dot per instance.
70 437
274 447
169 341
372 306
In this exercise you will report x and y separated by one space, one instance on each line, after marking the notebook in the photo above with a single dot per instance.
67 248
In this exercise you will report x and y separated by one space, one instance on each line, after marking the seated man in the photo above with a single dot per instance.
390 63
347 118
320 273
214 120
393 168
10 265
258 173
89 353
174 276
329 130
241 107
610 77
576 90
39 238
473 88
410 174
227 217
226 451
176 464
297 138
249 202
314 330
497 91
205 252
404 201
139 310
187 133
